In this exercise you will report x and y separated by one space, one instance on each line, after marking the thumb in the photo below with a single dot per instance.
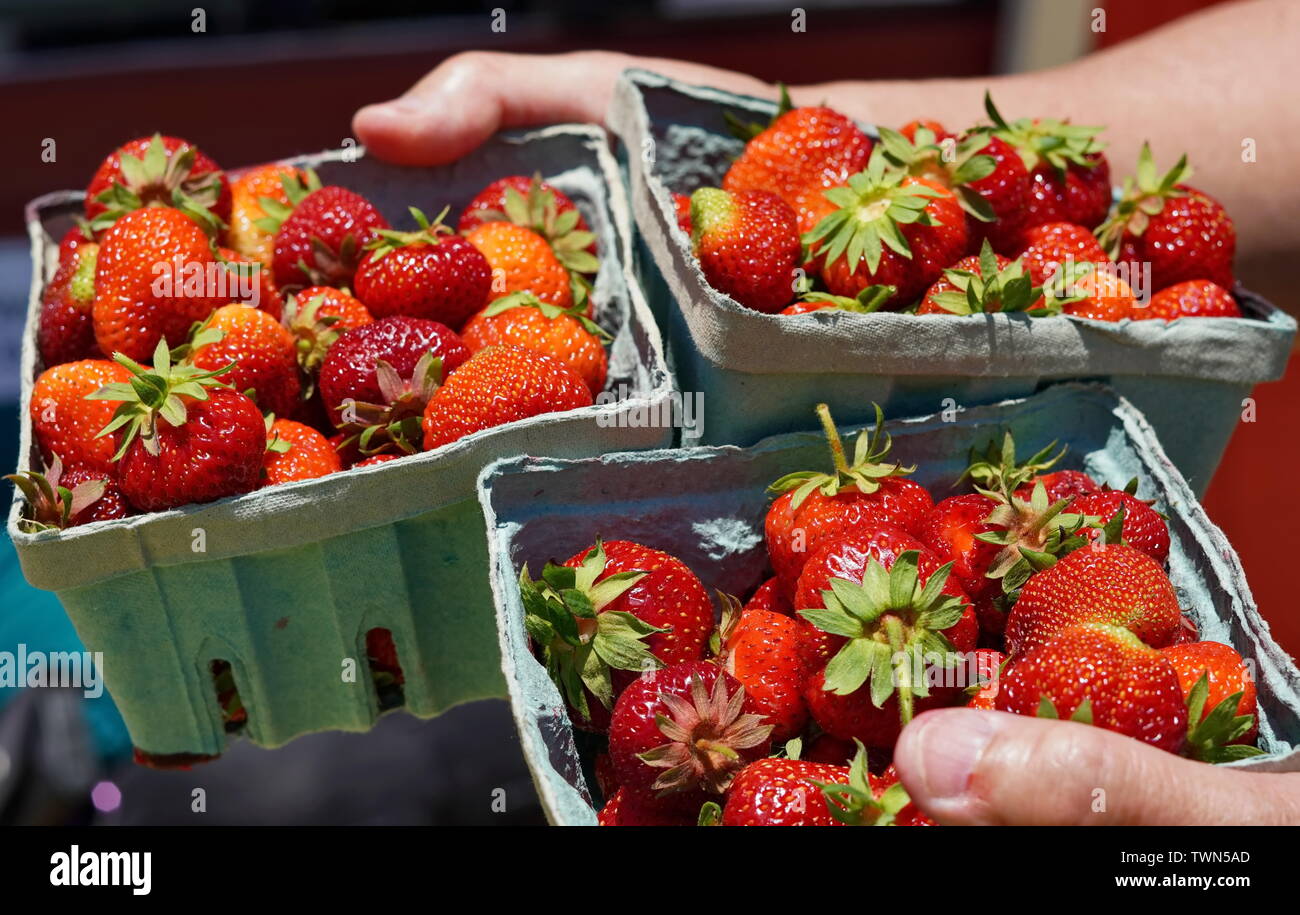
969 767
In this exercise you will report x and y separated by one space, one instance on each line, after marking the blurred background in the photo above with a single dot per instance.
267 80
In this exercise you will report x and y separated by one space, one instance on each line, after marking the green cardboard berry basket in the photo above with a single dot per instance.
290 579
757 372
706 505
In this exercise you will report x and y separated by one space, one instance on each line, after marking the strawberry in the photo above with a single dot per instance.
1189 299
376 459
158 171
498 385
522 260
887 228
1103 583
803 152
681 734
155 276
251 275
937 130
73 239
782 792
987 667
1182 233
1069 178
812 506
952 531
568 336
638 608
263 352
1143 528
59 498
1094 291
429 273
983 283
1100 675
1221 705
534 204
67 329
1048 247
316 317
769 597
350 374
682 206
908 814
866 302
66 424
1059 484
181 436
322 238
297 452
381 653
748 246
623 809
762 650
247 189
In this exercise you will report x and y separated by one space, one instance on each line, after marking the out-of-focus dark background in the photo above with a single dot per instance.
270 79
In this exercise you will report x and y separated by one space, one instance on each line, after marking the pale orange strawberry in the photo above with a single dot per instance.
246 193
264 354
316 316
524 320
297 452
522 261
65 423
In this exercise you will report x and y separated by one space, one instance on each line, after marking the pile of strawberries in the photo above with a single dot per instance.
1035 591
1002 217
208 334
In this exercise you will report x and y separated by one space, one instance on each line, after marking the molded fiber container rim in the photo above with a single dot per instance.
537 507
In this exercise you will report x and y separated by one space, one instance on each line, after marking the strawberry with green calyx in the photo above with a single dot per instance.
394 425
987 283
1221 701
1033 535
580 640
762 649
782 792
59 498
315 318
747 244
924 156
863 800
536 205
158 171
297 186
894 625
321 236
868 301
1214 731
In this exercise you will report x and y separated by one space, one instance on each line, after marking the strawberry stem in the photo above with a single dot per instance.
894 631
833 438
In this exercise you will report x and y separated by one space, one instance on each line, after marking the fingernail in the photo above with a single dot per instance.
950 746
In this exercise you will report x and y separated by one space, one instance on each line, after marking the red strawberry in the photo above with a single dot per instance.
1095 291
649 608
498 385
855 717
624 810
1189 299
263 352
1059 484
350 373
323 238
762 649
73 239
682 205
782 792
59 498
1004 190
534 203
67 328
1101 583
381 652
158 171
1182 233
1069 178
1219 731
250 274
802 153
376 459
297 452
909 814
176 448
65 424
569 335
769 597
813 506
1143 528
866 302
983 283
1101 675
747 243
682 733
987 667
155 276
1050 246
951 532
887 228
430 273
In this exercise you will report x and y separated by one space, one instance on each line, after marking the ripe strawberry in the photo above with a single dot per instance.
1220 729
498 385
305 455
323 238
521 260
1143 527
681 734
982 283
748 246
60 498
1101 675
1094 291
1059 484
854 716
762 650
350 374
522 319
158 171
263 352
1048 247
802 153
430 273
247 189
1184 234
376 459
866 302
245 273
1069 178
769 597
987 666
155 276
67 329
813 506
639 608
623 809
182 437
316 317
682 204
73 239
887 228
381 653
1103 583
1189 299
952 531
64 422
537 205
782 792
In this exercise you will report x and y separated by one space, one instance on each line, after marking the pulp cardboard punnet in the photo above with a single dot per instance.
285 583
706 505
757 372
